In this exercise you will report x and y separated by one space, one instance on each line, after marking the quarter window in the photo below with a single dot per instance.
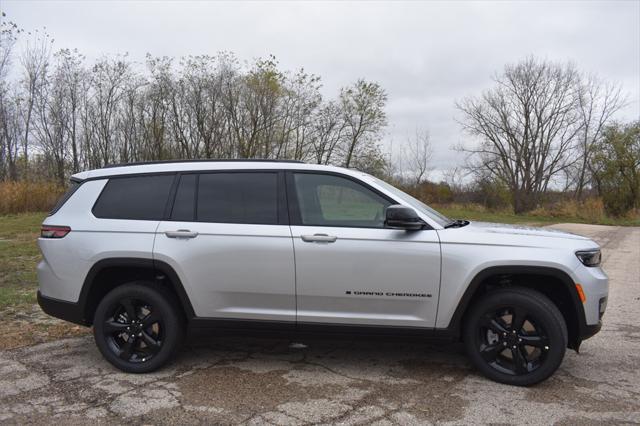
140 197
250 198
73 187
327 200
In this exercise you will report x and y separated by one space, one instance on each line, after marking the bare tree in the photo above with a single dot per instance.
70 74
9 32
527 125
35 61
88 115
455 178
9 123
10 133
328 133
50 123
108 82
597 103
418 154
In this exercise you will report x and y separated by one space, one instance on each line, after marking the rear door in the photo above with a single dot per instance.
229 241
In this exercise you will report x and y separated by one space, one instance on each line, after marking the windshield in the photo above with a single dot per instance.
439 218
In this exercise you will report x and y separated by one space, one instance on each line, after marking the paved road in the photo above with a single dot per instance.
255 381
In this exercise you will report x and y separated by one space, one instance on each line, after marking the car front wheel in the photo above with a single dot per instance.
137 328
515 336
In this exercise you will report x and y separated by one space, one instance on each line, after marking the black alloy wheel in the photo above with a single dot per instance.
137 327
134 330
515 336
511 342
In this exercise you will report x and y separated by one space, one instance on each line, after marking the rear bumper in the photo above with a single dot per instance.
67 311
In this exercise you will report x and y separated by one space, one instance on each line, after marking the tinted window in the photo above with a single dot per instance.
238 198
184 204
142 198
328 200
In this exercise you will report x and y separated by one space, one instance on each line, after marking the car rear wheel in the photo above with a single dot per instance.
137 328
515 336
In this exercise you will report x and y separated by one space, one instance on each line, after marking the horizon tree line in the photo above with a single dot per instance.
62 114
542 125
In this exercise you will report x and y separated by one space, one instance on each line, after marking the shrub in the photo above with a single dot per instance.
493 195
617 168
590 210
22 197
430 192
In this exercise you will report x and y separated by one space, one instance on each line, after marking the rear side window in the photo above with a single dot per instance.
184 204
250 198
139 198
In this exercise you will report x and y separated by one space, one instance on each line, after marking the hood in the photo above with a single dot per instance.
504 229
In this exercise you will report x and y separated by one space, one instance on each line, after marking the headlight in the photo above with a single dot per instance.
589 257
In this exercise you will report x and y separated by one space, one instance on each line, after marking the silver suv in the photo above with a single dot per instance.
145 252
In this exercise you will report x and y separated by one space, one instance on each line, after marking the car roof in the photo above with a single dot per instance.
204 165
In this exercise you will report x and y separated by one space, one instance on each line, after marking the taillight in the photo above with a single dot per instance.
48 231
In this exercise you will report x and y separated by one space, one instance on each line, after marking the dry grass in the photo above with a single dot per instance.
590 210
23 197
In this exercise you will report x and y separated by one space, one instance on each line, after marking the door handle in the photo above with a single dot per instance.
319 238
181 233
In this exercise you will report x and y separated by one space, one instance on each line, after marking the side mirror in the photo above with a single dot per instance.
402 217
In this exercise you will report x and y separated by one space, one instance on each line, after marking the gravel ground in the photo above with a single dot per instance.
262 381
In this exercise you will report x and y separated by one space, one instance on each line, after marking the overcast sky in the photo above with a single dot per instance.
425 54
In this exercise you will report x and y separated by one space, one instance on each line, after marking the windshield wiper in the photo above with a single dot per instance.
458 223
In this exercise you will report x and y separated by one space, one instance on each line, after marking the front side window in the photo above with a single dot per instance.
250 198
328 200
137 198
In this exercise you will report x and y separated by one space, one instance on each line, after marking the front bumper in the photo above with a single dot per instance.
595 284
67 311
590 330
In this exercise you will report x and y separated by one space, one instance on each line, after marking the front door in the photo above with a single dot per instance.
229 241
350 269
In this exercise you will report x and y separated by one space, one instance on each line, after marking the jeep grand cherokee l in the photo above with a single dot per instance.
141 252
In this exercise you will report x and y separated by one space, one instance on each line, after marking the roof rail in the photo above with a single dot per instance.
221 160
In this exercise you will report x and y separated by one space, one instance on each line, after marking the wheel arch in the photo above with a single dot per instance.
552 282
107 274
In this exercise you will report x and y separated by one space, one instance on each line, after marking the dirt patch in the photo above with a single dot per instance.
244 392
28 325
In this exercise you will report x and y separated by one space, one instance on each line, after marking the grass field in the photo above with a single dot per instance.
19 256
23 323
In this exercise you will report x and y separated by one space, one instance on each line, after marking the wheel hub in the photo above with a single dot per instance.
511 339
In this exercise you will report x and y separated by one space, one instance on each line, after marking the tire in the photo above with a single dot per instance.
137 327
522 353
